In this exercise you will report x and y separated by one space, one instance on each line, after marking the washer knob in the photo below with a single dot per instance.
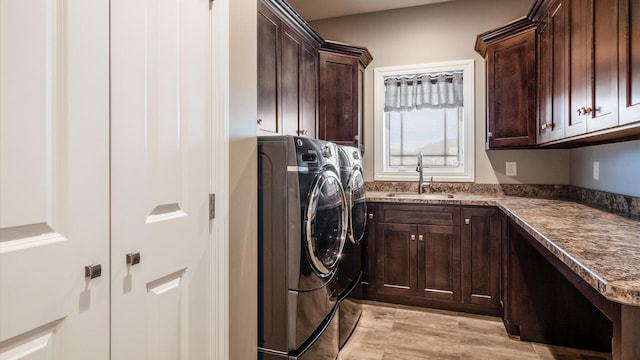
326 151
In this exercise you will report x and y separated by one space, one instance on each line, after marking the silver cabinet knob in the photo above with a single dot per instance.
370 216
420 237
133 258
467 221
92 271
259 121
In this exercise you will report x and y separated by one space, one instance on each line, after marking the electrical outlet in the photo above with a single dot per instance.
512 168
596 170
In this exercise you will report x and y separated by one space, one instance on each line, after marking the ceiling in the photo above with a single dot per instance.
323 9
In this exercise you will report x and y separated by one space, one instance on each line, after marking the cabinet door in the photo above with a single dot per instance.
309 101
511 91
291 49
396 248
439 262
629 84
268 70
553 72
580 17
338 110
369 247
480 256
603 97
54 179
594 66
160 178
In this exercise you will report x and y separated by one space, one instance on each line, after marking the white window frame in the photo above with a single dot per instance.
467 174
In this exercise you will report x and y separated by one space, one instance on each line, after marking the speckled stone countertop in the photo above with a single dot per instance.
600 247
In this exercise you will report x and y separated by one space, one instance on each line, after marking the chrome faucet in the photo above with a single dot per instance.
420 176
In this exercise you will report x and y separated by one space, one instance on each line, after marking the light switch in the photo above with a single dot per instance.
512 168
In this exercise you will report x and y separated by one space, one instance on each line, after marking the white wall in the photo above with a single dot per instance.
442 32
243 180
619 167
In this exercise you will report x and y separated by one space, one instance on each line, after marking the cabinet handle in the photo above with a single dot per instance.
133 258
370 216
420 237
467 221
581 111
259 121
587 110
92 271
413 238
303 132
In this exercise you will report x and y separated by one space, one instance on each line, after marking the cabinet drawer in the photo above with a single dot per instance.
421 214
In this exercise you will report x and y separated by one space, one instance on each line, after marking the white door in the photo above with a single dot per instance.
160 141
54 179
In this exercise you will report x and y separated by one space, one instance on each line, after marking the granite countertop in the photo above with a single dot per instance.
600 247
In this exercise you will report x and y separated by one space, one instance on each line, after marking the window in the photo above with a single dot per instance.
425 109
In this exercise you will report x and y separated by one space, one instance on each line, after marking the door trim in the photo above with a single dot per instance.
219 175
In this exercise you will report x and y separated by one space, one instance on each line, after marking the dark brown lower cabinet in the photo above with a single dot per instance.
426 255
481 258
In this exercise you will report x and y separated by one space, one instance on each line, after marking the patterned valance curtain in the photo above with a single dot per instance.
424 91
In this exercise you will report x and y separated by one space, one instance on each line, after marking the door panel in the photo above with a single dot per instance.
160 66
54 190
580 83
629 66
164 314
338 87
481 256
291 56
553 74
309 112
604 96
268 70
395 256
439 262
511 87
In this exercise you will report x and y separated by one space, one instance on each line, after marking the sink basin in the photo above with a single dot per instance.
421 196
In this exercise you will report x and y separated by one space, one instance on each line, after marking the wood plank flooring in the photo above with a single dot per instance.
390 332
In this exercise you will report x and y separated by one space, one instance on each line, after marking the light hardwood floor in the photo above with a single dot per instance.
406 333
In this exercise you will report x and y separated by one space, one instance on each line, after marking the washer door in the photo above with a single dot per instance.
325 223
357 207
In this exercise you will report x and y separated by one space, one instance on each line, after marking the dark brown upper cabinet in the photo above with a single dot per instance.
341 105
287 71
588 75
510 59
